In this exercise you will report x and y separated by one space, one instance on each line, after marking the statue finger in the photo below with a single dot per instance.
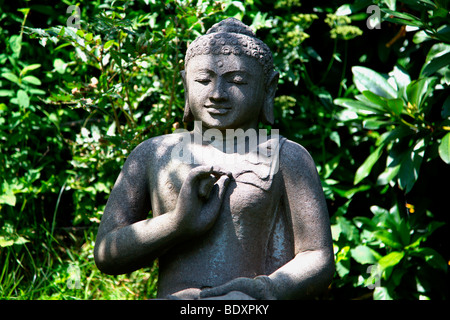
217 191
202 172
205 186
239 284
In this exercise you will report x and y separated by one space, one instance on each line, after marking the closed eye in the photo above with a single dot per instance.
237 79
203 81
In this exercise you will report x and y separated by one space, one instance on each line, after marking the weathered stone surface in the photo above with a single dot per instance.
237 214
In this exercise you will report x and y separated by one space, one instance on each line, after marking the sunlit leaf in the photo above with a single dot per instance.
388 238
109 43
364 170
444 148
30 67
11 77
357 106
367 79
381 293
364 255
432 257
410 165
23 99
32 80
391 259
7 195
418 91
396 105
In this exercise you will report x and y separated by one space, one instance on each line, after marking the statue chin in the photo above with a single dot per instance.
194 294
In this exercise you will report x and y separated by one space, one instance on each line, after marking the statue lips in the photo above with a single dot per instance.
217 110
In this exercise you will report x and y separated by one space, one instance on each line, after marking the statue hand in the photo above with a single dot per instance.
200 199
260 288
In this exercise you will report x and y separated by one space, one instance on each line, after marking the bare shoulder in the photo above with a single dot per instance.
295 159
130 198
154 148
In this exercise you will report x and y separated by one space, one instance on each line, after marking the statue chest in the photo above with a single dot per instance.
249 198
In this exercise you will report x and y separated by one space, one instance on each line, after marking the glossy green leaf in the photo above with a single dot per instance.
443 33
347 228
403 18
436 64
80 33
376 99
11 77
432 257
7 196
343 262
376 210
15 43
401 77
364 170
418 91
109 43
388 175
357 106
367 79
388 238
375 123
391 259
88 37
363 255
32 80
381 293
23 99
30 67
365 223
410 165
6 93
396 105
444 148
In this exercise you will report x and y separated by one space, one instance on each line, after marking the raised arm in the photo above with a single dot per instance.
127 240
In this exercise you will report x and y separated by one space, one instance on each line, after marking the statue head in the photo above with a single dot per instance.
229 72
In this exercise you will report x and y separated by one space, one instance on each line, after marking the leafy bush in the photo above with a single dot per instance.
408 121
371 105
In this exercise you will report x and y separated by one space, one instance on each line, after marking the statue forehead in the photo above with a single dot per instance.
224 63
227 43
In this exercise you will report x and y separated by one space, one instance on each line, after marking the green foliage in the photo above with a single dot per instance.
371 106
408 124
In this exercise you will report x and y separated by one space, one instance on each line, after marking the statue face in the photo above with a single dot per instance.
225 91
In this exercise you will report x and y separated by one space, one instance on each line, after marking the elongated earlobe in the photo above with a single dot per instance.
267 116
188 116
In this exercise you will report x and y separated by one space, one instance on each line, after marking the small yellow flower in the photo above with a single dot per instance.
410 207
411 108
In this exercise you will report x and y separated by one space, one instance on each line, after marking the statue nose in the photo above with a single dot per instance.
218 93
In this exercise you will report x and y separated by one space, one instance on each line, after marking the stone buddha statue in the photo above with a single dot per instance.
236 213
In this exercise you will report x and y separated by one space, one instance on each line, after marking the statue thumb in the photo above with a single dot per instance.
216 192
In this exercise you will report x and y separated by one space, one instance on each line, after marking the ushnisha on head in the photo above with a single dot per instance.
232 37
